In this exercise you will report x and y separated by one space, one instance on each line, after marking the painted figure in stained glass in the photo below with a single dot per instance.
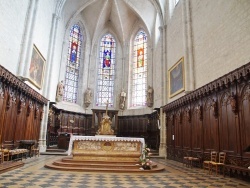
106 58
140 58
73 52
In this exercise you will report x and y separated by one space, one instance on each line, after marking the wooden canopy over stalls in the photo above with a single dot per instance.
21 110
214 117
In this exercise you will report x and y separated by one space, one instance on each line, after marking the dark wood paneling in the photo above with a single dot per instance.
21 117
21 109
244 111
144 126
196 123
66 122
213 117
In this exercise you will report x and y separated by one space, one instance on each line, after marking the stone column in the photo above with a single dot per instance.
50 56
163 31
47 85
163 136
43 129
188 46
27 40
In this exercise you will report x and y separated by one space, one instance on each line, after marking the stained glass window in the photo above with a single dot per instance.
106 71
139 81
73 64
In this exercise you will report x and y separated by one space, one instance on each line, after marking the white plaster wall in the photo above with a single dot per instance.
174 43
56 61
221 35
12 27
220 38
42 31
60 57
157 74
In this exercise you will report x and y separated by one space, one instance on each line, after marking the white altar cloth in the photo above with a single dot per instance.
103 138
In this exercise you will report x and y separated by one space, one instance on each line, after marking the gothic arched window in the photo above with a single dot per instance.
73 64
106 71
139 75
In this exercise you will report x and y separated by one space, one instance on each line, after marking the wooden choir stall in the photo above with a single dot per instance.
21 112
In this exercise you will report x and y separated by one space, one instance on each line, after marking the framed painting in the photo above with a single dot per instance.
36 69
176 78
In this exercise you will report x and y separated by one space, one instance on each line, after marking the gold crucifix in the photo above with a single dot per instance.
107 107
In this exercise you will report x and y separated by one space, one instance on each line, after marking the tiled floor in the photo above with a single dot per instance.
34 175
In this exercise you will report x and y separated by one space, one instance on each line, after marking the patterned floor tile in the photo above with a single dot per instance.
34 174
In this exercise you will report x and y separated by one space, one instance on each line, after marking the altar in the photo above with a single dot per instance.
105 148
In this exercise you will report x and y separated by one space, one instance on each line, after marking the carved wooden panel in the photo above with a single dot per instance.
3 96
228 125
21 117
197 126
30 120
245 119
210 125
219 116
186 127
178 136
18 118
170 130
138 126
10 116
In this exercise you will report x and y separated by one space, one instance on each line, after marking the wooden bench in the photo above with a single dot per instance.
18 154
13 152
238 170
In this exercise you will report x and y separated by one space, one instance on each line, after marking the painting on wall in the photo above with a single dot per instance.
176 78
36 69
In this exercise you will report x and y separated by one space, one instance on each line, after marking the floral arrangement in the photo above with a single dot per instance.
145 162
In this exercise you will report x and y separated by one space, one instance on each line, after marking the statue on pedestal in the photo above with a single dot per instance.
87 97
105 127
150 96
59 91
122 100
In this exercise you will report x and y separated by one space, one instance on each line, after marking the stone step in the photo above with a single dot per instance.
97 165
10 165
68 163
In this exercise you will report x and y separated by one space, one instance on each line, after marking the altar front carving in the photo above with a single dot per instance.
102 148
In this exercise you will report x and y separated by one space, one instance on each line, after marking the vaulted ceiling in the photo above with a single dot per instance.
118 16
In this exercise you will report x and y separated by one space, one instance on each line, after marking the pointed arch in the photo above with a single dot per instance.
106 71
139 70
73 64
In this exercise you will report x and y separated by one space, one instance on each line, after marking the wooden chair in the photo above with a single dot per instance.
186 160
5 155
196 158
221 163
213 158
1 157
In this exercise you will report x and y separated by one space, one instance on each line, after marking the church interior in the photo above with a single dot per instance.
156 90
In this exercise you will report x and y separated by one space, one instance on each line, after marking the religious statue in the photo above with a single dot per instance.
105 128
87 97
60 91
150 96
122 100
